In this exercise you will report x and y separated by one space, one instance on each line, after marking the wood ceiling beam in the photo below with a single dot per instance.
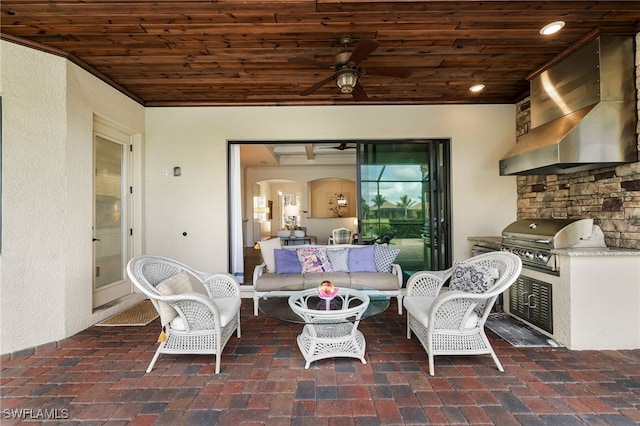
308 147
272 153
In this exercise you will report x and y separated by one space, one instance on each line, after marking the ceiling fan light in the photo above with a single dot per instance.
347 81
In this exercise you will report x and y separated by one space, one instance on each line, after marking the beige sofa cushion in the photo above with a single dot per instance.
272 282
377 280
339 279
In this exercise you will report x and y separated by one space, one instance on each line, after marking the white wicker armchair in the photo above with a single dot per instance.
201 324
452 322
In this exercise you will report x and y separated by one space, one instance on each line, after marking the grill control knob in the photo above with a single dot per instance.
529 254
541 256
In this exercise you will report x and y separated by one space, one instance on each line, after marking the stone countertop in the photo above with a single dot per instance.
493 242
586 251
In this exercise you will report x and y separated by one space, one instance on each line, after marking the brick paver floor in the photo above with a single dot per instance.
98 377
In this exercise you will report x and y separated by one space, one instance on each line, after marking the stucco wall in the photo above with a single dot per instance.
48 110
196 139
33 197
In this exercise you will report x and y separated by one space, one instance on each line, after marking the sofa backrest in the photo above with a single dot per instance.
328 247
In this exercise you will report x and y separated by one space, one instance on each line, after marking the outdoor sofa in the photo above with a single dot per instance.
298 267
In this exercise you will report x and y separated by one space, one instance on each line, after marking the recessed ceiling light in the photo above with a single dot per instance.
552 28
476 88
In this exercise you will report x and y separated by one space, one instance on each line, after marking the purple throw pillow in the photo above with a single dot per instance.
362 259
287 262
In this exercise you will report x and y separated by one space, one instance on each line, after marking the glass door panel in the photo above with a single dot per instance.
109 281
404 201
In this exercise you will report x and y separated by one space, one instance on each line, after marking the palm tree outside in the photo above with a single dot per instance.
379 201
404 203
365 208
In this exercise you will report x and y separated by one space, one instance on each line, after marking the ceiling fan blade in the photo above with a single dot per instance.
343 146
316 86
363 50
358 93
306 61
389 71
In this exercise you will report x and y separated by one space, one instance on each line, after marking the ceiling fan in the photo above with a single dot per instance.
347 71
341 147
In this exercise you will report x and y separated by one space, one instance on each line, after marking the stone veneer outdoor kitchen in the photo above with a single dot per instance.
596 296
611 196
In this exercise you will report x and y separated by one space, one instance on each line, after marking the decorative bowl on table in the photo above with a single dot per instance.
298 233
326 290
284 233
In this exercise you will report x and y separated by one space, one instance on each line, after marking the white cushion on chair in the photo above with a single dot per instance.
178 324
420 306
227 308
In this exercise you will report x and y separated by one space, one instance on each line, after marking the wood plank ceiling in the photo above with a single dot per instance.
237 52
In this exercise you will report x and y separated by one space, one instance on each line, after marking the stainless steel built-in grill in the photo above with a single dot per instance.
533 240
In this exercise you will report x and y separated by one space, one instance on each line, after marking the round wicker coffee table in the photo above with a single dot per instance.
330 325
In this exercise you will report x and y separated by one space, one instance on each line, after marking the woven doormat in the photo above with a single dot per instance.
141 314
517 333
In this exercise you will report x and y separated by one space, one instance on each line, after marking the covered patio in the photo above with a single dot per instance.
98 377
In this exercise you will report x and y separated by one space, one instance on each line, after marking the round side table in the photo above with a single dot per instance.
331 325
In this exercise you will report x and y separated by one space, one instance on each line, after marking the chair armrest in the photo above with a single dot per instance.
451 309
195 309
222 284
427 283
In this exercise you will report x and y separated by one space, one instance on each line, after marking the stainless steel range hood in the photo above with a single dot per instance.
583 113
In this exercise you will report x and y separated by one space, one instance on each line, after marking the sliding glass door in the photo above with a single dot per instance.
405 200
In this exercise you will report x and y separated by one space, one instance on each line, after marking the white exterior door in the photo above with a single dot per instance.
111 227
